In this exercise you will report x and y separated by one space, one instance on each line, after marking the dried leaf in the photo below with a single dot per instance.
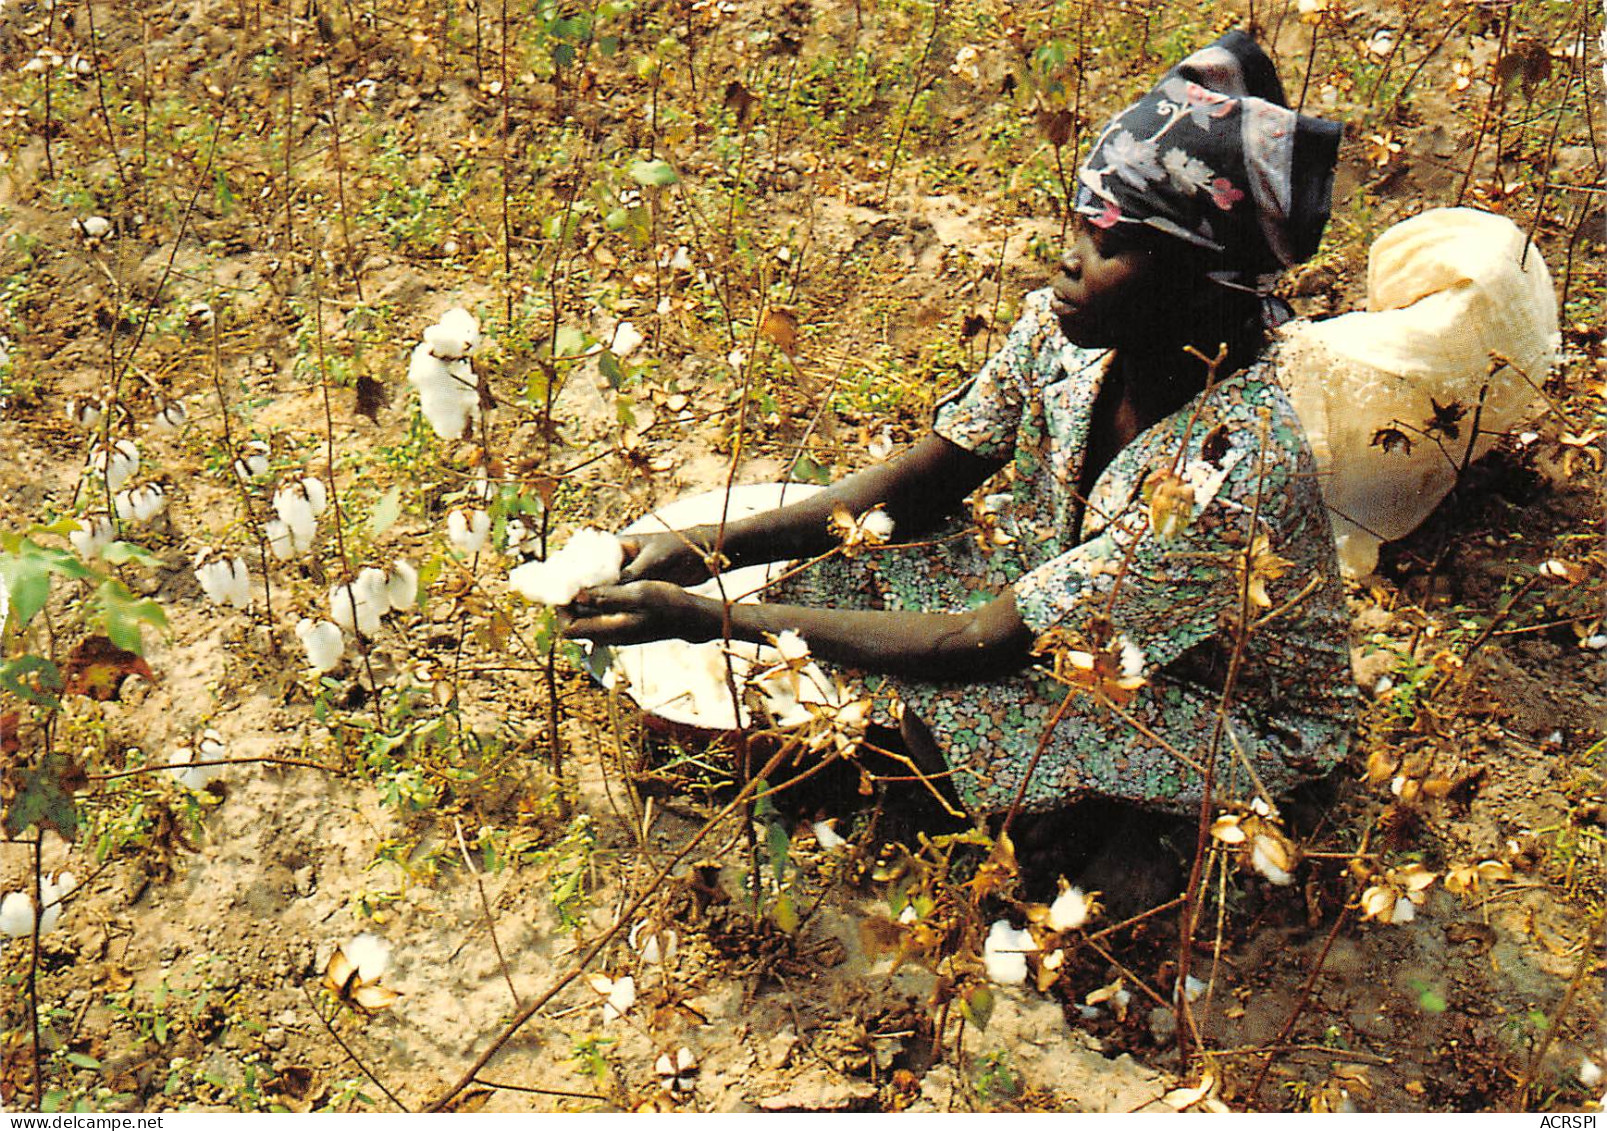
1215 445
1528 63
1056 126
1171 503
780 329
740 101
371 397
97 668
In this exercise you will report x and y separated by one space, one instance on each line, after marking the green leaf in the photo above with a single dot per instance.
654 174
117 553
610 368
125 615
785 914
386 511
806 470
41 693
25 573
777 842
44 797
82 1061
570 342
977 1006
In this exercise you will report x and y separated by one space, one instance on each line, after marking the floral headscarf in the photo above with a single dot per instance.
1213 155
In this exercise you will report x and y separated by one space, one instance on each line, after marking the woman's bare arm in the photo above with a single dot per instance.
985 643
917 489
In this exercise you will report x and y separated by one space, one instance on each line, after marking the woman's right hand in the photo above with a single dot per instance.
671 556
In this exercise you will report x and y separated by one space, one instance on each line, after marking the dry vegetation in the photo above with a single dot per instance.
237 217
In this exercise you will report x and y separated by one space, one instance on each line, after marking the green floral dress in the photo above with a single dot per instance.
1242 535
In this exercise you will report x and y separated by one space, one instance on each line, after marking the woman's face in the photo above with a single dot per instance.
1110 290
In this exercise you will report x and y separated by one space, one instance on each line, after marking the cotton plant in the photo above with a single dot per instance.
468 530
94 534
170 418
252 459
1004 954
323 643
225 581
299 504
181 765
84 413
590 558
652 944
16 907
677 1072
618 994
1257 836
116 465
357 606
140 504
354 970
440 369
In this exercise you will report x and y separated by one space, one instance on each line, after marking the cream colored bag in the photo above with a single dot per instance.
1446 293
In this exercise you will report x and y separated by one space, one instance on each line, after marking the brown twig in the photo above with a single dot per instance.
485 905
312 1003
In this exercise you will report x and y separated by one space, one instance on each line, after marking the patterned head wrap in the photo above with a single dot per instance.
1214 156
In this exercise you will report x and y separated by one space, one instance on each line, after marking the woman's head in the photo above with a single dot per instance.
1212 158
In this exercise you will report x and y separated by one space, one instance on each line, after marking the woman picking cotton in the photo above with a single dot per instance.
1147 522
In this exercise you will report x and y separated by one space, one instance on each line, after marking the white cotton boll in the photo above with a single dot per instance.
226 581
448 393
1263 861
252 461
1191 989
621 996
1403 912
280 539
93 535
16 915
296 511
370 954
1589 1072
1069 911
827 837
86 414
468 530
170 419
1003 955
520 538
193 778
589 558
317 494
1595 642
595 556
323 643
369 607
93 227
373 587
454 335
878 523
653 946
120 468
53 889
909 915
401 587
140 504
626 338
1133 660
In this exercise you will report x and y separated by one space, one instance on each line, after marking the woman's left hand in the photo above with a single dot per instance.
637 613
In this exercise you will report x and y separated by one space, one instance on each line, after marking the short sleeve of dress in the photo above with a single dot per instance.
982 415
1173 593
